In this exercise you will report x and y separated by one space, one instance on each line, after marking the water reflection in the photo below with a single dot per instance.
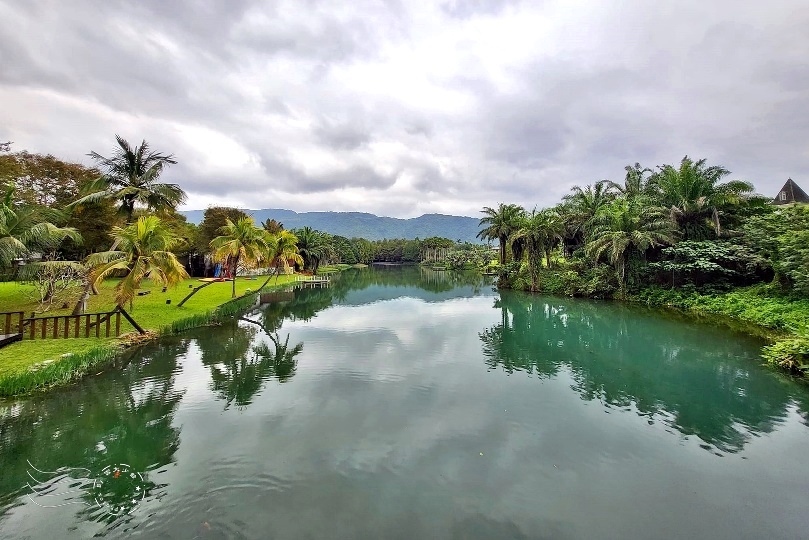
387 423
61 444
240 364
695 378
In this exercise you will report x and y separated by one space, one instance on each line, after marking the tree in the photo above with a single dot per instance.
696 197
783 238
540 231
179 226
130 177
241 242
312 247
578 209
282 253
626 227
272 226
636 182
46 182
24 229
714 262
500 223
213 219
53 281
144 251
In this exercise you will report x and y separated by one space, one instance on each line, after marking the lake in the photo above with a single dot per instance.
408 403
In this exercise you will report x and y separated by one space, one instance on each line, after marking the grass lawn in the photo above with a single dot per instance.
150 311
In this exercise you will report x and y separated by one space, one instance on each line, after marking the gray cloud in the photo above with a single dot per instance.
404 108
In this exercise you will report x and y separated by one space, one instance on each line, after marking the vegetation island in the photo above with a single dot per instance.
102 256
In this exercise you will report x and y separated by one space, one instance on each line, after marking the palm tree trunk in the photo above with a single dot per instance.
233 275
129 206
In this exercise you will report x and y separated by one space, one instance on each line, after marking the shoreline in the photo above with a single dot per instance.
781 321
73 367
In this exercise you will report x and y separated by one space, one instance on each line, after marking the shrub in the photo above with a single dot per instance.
791 354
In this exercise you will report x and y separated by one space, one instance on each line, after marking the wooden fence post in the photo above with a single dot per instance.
131 320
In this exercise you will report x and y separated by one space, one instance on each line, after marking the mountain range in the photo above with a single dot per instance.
363 225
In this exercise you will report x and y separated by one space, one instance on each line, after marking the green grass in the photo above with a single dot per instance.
150 311
20 356
66 369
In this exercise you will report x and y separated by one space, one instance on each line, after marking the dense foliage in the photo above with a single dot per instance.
681 228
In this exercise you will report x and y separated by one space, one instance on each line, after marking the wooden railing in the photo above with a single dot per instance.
7 323
106 324
73 326
315 278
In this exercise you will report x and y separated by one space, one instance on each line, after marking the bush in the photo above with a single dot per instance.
791 354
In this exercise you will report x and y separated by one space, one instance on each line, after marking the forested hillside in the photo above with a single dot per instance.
363 225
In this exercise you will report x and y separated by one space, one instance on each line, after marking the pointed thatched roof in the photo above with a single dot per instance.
791 193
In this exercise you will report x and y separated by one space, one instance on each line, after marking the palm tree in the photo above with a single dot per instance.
625 227
240 242
273 226
637 182
282 253
696 198
312 247
540 231
501 222
25 229
578 209
144 251
130 177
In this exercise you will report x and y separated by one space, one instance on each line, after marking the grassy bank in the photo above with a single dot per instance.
785 319
32 364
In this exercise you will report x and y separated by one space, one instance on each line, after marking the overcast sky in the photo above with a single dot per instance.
405 107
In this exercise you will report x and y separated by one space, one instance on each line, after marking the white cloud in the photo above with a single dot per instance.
407 108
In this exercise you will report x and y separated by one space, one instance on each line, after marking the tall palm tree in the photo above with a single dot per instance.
637 182
144 251
588 201
282 253
500 222
25 229
130 177
540 231
578 209
240 242
626 227
312 247
696 197
285 252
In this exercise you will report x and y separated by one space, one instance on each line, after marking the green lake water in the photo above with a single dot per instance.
405 403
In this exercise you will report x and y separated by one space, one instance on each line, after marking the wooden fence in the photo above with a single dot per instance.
8 325
73 326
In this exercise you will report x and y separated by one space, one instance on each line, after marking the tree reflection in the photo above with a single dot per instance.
239 367
695 378
122 417
280 360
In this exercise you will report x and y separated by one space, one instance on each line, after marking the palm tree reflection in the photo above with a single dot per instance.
628 357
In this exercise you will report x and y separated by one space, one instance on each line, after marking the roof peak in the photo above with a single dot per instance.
791 193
